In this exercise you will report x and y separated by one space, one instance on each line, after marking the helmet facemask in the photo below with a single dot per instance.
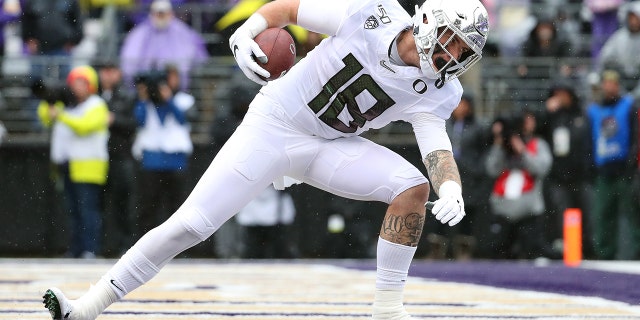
433 31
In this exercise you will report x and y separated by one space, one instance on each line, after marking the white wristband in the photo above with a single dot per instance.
255 24
450 188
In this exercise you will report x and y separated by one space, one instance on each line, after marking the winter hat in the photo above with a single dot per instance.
87 73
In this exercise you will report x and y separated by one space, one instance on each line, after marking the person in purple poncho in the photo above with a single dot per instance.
160 40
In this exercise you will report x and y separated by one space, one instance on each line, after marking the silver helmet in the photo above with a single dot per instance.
467 19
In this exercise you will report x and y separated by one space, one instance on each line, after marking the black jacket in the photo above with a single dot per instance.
574 165
470 147
54 23
122 130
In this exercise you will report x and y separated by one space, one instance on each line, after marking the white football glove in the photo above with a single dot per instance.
450 207
244 48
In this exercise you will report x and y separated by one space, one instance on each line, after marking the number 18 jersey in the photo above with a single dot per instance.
347 84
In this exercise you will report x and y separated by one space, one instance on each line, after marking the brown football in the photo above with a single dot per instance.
280 49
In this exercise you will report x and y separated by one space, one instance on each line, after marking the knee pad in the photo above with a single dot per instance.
196 223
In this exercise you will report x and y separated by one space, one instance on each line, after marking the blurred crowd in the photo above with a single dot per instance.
116 76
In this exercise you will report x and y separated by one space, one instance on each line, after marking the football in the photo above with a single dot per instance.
280 49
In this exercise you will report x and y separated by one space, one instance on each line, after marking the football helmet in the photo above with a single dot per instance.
467 20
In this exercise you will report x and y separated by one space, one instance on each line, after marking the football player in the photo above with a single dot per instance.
377 65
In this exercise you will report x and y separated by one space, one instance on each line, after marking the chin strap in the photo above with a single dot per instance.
440 81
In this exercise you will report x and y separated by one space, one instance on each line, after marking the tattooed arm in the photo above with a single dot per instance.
445 178
441 167
435 147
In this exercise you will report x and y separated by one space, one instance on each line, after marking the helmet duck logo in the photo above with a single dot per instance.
481 24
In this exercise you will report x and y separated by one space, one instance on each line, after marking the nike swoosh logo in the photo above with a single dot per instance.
384 65
115 285
66 316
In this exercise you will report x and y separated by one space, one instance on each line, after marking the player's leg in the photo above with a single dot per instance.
399 235
359 169
252 158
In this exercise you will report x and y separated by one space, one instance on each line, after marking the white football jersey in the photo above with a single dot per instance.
347 84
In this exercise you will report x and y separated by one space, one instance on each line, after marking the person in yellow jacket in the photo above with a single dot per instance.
79 139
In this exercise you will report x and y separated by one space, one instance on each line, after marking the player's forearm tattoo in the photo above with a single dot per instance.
441 166
405 230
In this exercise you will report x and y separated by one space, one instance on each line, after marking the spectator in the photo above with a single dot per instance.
199 14
10 13
518 160
620 52
12 49
543 42
141 13
613 130
469 145
570 27
266 221
50 30
184 101
160 40
120 189
564 127
511 21
79 150
163 145
604 22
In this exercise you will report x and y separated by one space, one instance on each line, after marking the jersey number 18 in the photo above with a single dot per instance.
347 96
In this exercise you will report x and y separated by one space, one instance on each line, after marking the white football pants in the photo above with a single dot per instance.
264 148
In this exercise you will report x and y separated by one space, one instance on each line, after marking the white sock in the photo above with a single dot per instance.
130 272
393 262
93 303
